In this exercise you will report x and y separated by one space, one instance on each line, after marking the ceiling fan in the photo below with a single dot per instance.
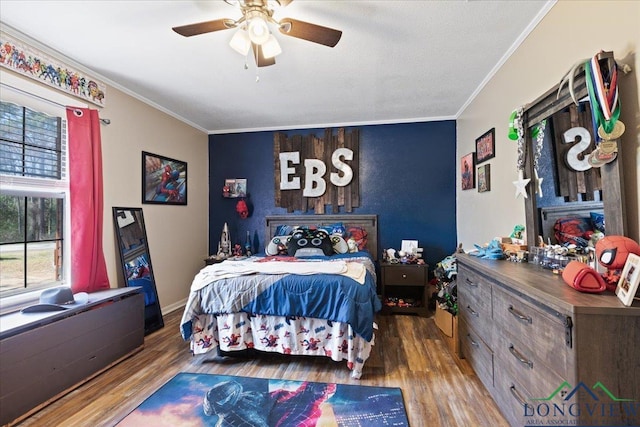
253 30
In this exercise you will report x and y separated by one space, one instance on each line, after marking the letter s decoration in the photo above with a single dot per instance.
572 158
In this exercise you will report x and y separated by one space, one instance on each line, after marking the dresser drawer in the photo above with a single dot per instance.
474 303
524 364
531 327
477 354
514 400
405 275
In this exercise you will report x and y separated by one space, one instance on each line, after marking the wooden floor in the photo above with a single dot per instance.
438 388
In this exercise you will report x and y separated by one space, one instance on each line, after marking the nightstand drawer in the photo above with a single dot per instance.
405 275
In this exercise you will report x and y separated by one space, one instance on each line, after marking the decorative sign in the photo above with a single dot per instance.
312 172
573 154
575 177
18 56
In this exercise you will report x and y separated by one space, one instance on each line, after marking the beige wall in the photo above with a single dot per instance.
178 235
571 31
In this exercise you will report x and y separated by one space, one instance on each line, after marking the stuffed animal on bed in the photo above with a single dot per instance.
309 242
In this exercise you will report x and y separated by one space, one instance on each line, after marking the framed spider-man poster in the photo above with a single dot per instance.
164 180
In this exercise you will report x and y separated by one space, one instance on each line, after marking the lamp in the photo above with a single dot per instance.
271 47
240 42
257 28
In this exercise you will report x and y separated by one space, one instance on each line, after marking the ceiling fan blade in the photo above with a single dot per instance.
203 27
261 61
310 32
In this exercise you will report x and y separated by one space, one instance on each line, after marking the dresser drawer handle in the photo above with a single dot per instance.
469 282
473 343
521 317
517 396
472 311
404 276
520 357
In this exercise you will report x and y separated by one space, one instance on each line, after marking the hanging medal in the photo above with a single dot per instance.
605 105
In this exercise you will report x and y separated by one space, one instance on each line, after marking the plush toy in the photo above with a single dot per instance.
308 242
612 253
352 244
242 209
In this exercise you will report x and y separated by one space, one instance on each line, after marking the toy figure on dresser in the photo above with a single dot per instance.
612 253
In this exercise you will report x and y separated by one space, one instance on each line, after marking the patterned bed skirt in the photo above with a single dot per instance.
285 335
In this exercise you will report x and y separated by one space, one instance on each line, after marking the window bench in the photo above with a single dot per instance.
45 355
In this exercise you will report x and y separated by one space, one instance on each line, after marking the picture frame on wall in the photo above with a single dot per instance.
467 171
486 146
164 180
235 187
629 280
484 178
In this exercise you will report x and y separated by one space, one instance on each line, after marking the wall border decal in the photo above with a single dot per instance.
18 56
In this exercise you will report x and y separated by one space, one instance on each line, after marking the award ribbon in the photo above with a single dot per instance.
604 101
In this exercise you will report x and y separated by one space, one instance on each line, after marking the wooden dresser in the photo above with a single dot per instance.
547 353
45 355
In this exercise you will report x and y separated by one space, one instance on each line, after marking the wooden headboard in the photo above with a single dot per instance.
549 215
367 222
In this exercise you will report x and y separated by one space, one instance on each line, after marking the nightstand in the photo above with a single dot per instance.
404 288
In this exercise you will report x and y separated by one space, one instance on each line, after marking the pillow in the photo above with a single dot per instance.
285 230
337 228
340 245
277 246
597 221
308 242
359 235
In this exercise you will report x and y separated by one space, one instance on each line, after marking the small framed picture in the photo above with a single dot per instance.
235 187
164 180
468 171
629 280
484 178
486 146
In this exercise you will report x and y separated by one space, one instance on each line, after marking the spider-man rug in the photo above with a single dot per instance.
231 401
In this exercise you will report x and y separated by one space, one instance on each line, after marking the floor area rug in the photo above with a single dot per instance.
232 401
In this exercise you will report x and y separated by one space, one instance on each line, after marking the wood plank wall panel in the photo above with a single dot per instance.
573 184
321 148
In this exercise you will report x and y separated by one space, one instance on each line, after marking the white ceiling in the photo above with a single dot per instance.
397 61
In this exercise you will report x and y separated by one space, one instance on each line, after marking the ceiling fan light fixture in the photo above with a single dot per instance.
240 42
258 29
271 47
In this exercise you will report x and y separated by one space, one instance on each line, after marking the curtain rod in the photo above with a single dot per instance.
24 92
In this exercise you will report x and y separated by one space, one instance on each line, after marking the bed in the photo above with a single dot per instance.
320 305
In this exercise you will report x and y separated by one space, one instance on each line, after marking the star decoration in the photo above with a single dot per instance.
521 185
538 183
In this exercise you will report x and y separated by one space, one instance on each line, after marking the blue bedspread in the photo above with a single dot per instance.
325 296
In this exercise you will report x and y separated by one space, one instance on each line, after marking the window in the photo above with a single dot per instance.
33 192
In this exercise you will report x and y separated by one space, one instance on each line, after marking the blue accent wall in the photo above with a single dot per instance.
407 177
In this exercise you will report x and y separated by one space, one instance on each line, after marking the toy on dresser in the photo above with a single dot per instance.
611 253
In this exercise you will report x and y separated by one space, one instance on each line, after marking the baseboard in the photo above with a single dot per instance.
173 307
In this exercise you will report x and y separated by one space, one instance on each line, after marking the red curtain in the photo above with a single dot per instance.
88 266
